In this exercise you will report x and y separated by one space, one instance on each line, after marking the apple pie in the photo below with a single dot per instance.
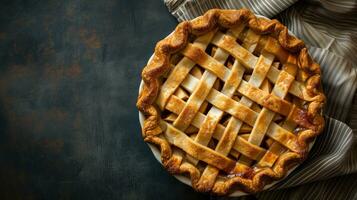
232 101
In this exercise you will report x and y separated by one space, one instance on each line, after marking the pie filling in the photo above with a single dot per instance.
211 98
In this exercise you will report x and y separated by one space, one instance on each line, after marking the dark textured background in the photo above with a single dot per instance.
69 76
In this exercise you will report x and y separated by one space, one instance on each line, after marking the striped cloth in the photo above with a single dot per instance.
329 28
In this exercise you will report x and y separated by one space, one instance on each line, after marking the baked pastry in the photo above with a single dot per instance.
231 100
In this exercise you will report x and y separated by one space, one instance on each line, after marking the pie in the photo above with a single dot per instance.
232 101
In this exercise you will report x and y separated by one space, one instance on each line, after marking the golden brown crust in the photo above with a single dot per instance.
177 41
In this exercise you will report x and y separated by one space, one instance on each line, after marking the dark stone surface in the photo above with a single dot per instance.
69 76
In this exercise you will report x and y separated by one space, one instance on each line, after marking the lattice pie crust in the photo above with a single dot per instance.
231 100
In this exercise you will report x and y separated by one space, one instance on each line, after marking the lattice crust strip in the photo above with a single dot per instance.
242 84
